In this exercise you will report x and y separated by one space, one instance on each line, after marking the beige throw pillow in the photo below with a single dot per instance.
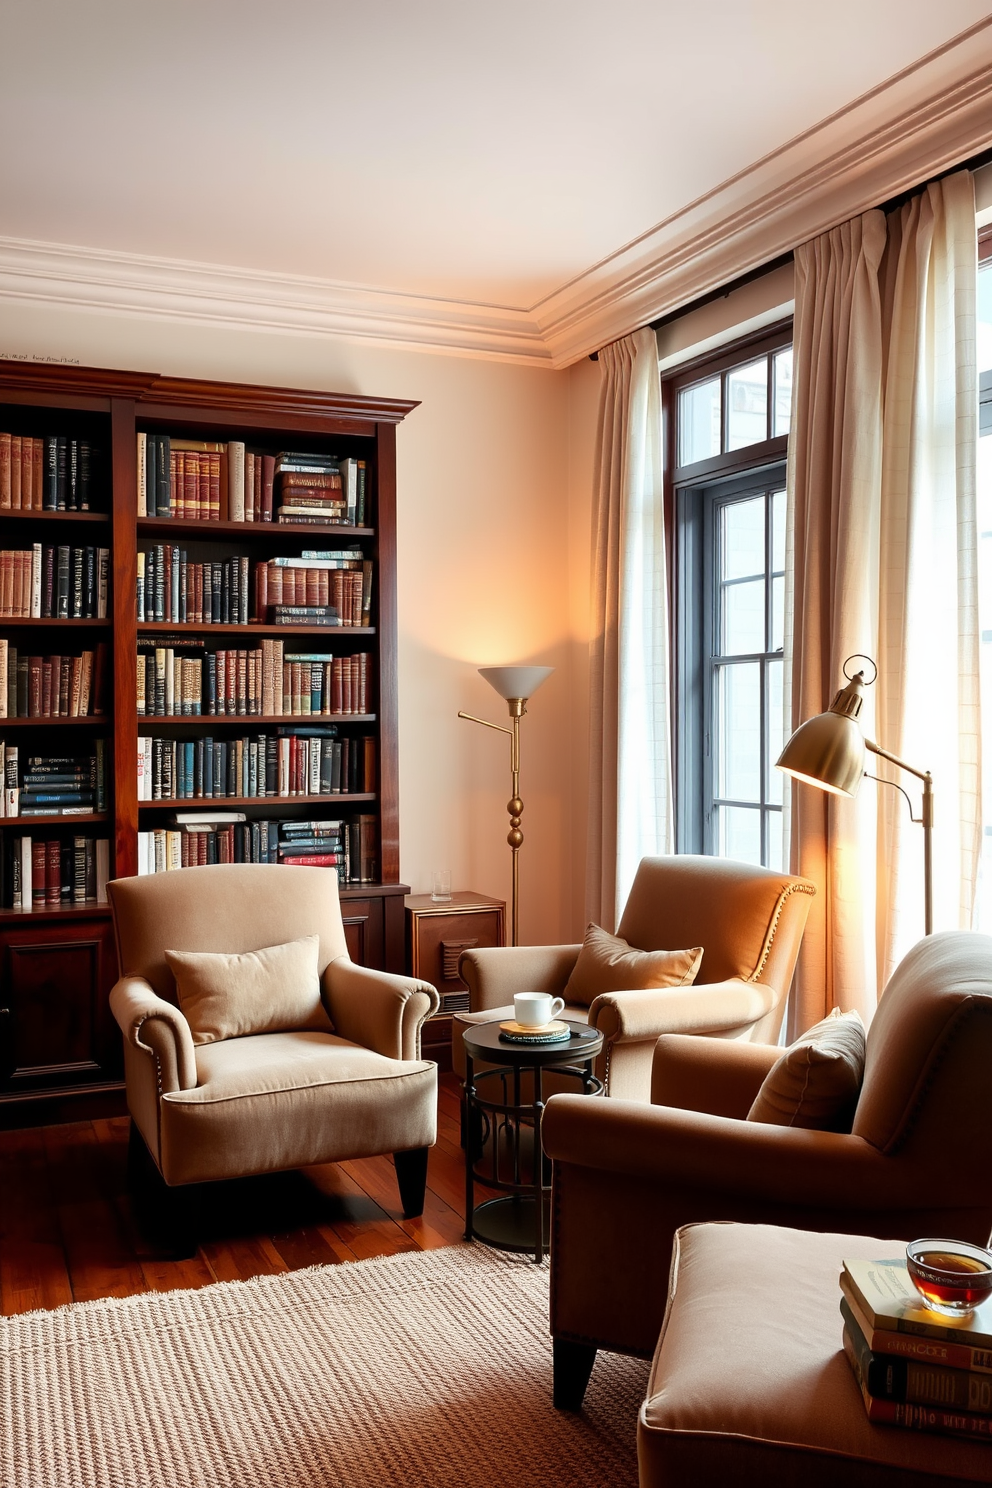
608 964
267 991
817 1081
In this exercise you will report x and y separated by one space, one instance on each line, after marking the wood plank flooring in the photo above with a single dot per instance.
67 1232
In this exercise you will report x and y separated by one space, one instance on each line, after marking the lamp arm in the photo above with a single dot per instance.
881 780
486 724
894 759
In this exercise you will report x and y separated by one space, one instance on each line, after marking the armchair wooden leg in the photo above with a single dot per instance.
164 1214
411 1176
572 1367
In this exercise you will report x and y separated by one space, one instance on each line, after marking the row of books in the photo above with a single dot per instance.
291 763
53 473
46 873
54 583
174 681
915 1369
349 847
171 588
53 686
53 784
197 480
340 587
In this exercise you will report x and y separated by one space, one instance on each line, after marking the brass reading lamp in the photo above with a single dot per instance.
516 684
828 751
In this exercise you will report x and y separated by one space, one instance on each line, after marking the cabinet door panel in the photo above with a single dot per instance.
363 931
57 1030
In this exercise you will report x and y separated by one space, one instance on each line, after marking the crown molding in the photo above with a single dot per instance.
915 125
210 294
922 121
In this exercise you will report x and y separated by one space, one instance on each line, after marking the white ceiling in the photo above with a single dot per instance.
484 153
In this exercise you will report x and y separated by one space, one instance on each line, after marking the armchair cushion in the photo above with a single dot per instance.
272 990
607 963
817 1081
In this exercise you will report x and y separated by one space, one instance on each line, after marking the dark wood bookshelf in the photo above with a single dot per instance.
58 964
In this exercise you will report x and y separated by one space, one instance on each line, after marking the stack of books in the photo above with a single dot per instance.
310 489
915 1368
312 844
49 583
53 686
53 784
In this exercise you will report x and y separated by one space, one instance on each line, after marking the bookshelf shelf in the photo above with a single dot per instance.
181 627
33 823
232 803
77 1046
163 526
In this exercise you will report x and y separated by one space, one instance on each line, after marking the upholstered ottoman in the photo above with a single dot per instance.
750 1385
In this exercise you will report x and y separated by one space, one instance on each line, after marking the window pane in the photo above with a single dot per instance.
778 532
739 732
747 404
776 842
742 538
743 629
739 833
782 384
778 615
699 422
774 679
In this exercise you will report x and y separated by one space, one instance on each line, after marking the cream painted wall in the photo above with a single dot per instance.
492 568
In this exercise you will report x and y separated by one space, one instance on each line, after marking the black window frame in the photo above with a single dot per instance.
692 493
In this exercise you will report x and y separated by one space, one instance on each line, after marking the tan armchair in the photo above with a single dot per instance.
627 1175
259 1104
748 920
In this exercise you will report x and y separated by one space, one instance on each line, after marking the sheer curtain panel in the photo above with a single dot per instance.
630 797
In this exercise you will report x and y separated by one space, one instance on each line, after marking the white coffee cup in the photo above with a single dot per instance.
536 1009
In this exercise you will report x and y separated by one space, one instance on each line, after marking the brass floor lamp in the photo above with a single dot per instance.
828 751
516 684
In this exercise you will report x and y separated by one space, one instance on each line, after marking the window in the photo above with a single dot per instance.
728 424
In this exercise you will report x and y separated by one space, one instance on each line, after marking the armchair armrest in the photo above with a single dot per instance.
158 1029
376 1009
495 973
709 1074
760 1164
717 1007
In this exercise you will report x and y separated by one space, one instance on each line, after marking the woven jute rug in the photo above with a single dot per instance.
421 1369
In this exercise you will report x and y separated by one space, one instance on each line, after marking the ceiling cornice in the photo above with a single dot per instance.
915 125
210 294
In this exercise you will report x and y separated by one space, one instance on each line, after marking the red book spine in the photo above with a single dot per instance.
16 467
268 478
214 506
53 872
38 873
315 860
5 471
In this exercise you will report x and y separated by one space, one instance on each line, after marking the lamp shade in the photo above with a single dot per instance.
516 681
828 751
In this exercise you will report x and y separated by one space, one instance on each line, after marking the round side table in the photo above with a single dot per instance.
495 1104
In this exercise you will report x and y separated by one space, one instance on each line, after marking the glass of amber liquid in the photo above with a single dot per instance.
951 1276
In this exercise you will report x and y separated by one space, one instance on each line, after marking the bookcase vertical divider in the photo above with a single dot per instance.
125 637
385 475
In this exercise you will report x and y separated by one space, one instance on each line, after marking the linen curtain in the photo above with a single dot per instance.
882 552
630 797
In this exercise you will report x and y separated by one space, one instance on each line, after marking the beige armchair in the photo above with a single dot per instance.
350 1084
748 920
627 1175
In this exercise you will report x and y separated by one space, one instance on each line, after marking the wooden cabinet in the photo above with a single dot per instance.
56 966
57 1035
437 934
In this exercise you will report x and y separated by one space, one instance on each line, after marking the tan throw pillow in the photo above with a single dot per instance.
608 964
267 991
817 1081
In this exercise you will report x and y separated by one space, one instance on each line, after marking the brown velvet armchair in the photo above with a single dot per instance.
271 1101
748 920
627 1175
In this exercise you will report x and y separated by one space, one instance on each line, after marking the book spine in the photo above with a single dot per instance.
919 1346
915 1417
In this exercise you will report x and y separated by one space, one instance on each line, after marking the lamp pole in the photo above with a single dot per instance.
515 807
925 819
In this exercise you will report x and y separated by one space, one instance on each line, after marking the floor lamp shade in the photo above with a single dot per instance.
516 681
829 750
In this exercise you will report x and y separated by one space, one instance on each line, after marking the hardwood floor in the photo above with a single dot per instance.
67 1232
